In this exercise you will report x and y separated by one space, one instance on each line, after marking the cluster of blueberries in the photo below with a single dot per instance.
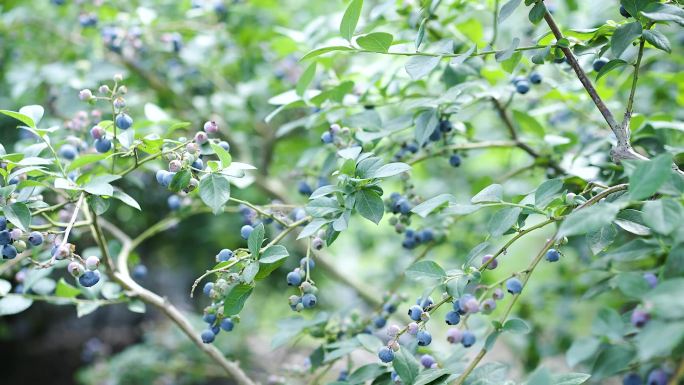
298 277
213 314
388 308
522 84
14 241
329 135
445 126
657 376
122 120
86 272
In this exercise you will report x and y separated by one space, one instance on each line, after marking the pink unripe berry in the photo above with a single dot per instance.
201 137
92 262
412 328
175 165
97 132
211 127
335 128
472 306
16 234
493 264
488 305
119 103
498 294
393 330
104 89
75 269
85 95
394 345
454 335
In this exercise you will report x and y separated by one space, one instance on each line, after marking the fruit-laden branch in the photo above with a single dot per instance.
122 276
623 149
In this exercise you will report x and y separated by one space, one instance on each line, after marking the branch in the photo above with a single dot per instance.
635 79
464 147
624 149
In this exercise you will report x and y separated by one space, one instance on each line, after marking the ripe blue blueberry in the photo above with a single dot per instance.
632 379
379 322
224 145
624 12
415 312
294 278
103 145
159 175
304 188
424 338
9 252
68 151
198 164
309 300
3 223
458 308
468 339
535 78
35 238
425 302
491 265
651 279
168 178
386 354
639 318
224 255
139 271
513 285
452 318
427 361
444 126
227 324
389 308
209 318
343 375
599 63
5 237
123 121
436 135
89 278
552 255
208 336
302 263
455 160
174 202
245 231
208 288
327 137
657 377
522 87
216 330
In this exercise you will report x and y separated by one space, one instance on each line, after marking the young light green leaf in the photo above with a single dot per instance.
223 155
350 19
214 189
649 175
491 193
305 79
320 51
420 66
20 117
425 270
375 41
236 298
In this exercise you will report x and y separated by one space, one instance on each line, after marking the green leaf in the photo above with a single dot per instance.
623 37
250 271
610 66
406 366
425 270
370 205
222 154
582 349
663 215
256 238
649 175
547 192
35 112
511 63
370 342
13 304
588 219
517 326
84 160
312 227
100 185
271 259
5 287
541 376
127 199
19 215
658 40
98 204
491 193
611 360
85 308
214 189
426 208
570 378
507 9
421 33
304 80
350 19
236 298
324 50
136 306
28 121
608 323
503 220
506 54
537 12
390 169
426 123
375 41
528 123
366 373
658 339
632 284
180 180
666 299
420 66
663 12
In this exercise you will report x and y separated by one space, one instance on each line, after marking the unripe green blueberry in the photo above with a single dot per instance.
118 77
192 147
175 165
75 269
20 246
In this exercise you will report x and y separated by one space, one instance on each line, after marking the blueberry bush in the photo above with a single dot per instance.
407 192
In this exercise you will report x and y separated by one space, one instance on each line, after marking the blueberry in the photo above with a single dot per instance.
224 145
413 148
639 318
427 361
207 288
522 87
89 278
452 318
159 175
632 379
436 135
123 121
498 294
424 302
3 223
294 278
389 308
68 151
304 188
624 12
386 354
168 178
309 300
552 255
468 339
327 137
9 252
198 164
379 322
5 237
513 285
103 145
657 377
454 335
427 235
174 202
35 238
488 305
92 262
455 160
139 271
224 255
209 318
394 377
424 338
216 330
415 312
245 231
599 63
343 375
302 263
14 180
651 279
227 324
535 78
458 308
208 336
445 126
493 264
